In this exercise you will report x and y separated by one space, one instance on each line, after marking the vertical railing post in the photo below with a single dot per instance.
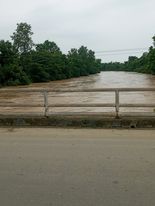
45 93
117 103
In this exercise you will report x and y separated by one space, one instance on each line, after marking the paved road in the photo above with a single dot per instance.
77 167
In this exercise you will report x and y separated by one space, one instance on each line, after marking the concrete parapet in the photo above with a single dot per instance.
91 121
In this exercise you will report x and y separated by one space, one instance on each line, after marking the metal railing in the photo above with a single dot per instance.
117 105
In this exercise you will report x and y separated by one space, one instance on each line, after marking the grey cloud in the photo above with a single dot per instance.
98 24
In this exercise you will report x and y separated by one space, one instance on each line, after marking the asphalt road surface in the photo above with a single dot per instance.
77 167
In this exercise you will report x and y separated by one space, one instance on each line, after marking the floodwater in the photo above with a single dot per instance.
101 80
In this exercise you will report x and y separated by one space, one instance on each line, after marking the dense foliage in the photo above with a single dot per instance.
23 62
144 64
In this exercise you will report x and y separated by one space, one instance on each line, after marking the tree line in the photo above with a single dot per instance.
23 62
144 64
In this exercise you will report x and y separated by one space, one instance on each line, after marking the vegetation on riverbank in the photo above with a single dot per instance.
144 64
23 62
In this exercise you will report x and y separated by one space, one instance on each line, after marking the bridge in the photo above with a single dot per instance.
55 166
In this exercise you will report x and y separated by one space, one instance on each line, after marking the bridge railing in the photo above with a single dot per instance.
117 105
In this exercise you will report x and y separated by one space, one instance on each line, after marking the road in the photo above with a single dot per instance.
77 167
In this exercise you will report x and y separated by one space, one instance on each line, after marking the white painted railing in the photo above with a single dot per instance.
46 104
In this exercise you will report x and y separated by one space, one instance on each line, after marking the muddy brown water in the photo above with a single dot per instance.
101 80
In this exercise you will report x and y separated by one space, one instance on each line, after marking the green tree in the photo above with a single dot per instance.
21 64
38 73
48 46
7 53
73 62
153 40
151 62
83 62
11 73
22 38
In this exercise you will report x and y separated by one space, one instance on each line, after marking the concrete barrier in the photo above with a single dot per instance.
91 121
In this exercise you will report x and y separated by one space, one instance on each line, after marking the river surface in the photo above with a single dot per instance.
101 80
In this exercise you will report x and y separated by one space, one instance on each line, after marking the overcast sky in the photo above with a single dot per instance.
100 25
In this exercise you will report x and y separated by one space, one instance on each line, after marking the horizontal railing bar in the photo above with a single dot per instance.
58 105
82 105
135 89
137 114
136 105
21 105
87 114
101 114
34 114
76 105
80 90
55 91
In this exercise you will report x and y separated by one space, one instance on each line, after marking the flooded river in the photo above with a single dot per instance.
101 80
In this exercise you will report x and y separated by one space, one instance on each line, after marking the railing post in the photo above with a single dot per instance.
117 103
46 103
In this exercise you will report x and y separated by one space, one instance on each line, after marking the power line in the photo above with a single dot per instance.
122 53
122 50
